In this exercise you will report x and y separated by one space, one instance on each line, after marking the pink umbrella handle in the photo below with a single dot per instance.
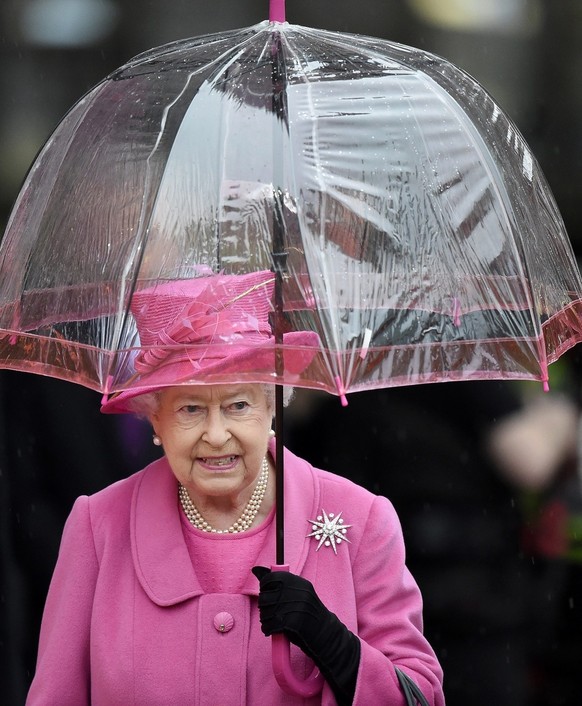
276 10
284 675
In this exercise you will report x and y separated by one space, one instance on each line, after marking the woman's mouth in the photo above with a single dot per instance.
218 463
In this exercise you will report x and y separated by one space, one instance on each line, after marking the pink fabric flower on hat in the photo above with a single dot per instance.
203 312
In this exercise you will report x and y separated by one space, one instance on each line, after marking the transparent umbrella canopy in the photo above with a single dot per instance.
409 221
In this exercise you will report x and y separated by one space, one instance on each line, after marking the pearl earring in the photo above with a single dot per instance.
156 439
272 433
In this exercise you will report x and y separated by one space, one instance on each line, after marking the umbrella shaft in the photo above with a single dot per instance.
279 476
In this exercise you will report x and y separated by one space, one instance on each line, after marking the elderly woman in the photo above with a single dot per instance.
160 594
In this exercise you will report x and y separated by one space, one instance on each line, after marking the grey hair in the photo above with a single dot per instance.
147 404
144 405
269 389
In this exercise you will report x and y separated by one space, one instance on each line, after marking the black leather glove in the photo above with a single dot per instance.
289 604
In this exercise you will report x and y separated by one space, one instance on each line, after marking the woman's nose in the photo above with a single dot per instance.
216 432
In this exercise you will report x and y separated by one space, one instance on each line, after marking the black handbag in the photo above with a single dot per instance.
414 696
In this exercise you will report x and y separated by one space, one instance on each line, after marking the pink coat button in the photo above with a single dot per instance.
223 622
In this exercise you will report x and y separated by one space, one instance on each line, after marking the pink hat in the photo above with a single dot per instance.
209 329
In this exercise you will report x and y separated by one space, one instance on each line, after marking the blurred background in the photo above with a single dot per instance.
501 605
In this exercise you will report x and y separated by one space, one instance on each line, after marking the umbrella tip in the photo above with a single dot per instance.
107 390
341 390
276 10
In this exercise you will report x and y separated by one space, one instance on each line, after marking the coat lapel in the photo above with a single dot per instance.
160 554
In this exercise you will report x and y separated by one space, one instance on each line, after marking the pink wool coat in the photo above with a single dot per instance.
126 621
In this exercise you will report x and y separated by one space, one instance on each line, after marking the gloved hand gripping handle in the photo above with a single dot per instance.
281 655
291 609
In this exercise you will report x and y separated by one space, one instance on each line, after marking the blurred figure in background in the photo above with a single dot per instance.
540 450
458 495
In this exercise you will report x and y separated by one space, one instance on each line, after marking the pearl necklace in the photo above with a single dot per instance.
244 521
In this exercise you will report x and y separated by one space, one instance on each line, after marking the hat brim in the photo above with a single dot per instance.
220 364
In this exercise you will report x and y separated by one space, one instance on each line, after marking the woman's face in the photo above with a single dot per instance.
214 436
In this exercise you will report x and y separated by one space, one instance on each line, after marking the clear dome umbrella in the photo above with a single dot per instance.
421 240
407 222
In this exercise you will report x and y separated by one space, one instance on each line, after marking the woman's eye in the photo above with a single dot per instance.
239 405
190 408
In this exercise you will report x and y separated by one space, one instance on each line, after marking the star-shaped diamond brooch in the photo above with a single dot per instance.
329 530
